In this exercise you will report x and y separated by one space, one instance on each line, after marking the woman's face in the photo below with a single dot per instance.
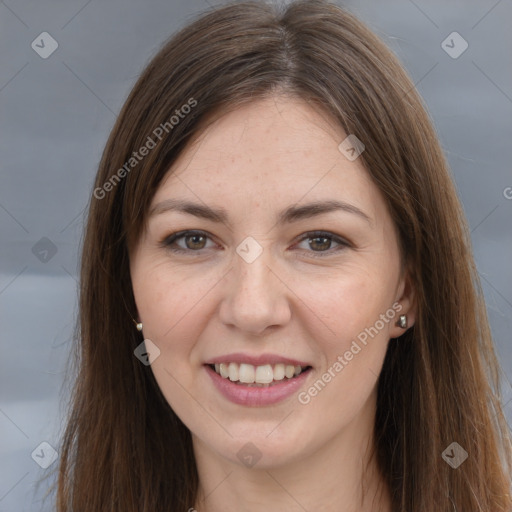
259 292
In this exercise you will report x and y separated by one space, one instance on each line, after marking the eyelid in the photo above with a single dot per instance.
343 242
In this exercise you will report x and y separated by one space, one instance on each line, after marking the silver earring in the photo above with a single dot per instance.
139 326
402 321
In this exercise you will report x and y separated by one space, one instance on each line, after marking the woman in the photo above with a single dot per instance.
279 307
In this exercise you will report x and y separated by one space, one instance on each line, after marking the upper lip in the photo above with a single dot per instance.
258 360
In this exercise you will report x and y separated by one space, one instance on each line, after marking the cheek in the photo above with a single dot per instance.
354 344
172 307
167 299
346 303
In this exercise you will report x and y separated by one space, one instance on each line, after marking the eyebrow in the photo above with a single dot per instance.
289 215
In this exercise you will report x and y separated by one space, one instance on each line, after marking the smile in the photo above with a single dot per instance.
253 393
260 376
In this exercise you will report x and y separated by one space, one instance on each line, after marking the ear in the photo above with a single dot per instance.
406 304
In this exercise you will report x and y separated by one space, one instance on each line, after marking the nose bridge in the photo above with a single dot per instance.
254 274
253 277
255 297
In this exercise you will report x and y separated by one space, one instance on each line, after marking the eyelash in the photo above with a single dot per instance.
169 240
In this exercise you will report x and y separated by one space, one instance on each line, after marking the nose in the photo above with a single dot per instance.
256 297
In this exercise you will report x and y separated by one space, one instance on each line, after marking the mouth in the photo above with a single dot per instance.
262 376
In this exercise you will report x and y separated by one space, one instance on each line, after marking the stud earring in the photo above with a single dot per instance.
402 321
139 326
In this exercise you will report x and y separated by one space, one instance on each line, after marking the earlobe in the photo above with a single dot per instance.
402 322
407 300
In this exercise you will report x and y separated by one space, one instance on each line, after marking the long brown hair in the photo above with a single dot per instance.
124 449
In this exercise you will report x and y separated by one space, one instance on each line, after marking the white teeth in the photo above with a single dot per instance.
264 374
233 371
246 373
250 374
223 370
279 372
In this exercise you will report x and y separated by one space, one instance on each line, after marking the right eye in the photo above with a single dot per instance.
197 241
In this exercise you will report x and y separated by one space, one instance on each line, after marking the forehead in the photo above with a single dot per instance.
270 153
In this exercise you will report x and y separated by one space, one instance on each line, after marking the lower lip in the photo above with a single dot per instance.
255 396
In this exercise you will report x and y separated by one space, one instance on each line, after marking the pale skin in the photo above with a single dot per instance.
208 301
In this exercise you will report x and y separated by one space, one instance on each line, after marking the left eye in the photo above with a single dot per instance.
323 241
196 241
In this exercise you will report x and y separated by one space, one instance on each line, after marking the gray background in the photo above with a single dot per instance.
57 112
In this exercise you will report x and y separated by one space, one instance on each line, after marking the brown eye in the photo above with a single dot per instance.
194 241
320 242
